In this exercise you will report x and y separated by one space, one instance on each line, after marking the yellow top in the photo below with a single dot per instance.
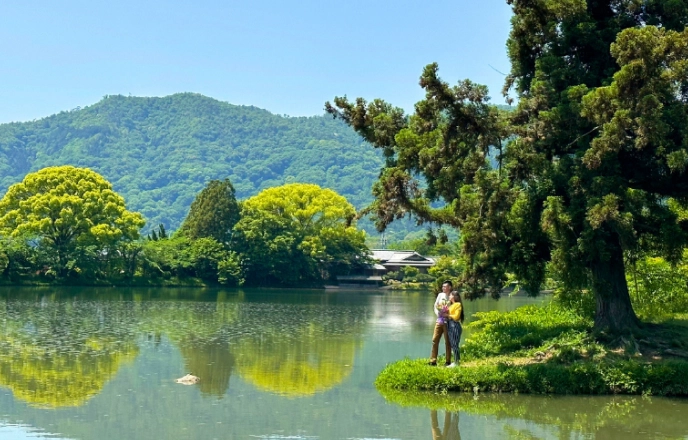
455 311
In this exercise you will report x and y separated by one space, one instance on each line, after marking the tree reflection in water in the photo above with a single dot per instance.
63 355
306 363
53 380
211 361
299 350
201 331
563 417
60 350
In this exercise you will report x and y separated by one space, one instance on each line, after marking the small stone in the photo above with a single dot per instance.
189 379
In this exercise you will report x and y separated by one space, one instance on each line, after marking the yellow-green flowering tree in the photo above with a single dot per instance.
297 233
65 207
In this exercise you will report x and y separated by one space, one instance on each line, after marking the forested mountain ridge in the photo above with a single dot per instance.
160 152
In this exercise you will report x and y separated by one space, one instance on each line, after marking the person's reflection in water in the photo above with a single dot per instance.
451 426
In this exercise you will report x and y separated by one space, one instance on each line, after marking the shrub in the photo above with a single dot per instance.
523 329
657 288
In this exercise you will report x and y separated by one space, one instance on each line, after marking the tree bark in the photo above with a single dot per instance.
614 313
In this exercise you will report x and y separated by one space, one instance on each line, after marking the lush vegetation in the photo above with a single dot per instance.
658 289
66 214
158 153
298 232
585 164
66 224
213 213
550 350
429 242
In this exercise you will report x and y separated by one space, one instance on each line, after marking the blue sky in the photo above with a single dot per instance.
288 57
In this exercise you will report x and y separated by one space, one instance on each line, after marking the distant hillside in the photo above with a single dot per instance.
160 152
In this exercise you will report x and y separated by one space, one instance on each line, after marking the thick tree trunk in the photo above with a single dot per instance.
614 313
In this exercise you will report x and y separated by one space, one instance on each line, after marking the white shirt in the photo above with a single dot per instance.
441 297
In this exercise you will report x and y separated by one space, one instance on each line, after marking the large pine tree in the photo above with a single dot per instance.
589 163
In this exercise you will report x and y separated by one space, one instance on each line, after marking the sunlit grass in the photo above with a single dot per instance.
552 350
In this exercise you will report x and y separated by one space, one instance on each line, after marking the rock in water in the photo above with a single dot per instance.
189 379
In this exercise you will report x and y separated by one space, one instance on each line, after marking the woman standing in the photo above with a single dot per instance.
454 328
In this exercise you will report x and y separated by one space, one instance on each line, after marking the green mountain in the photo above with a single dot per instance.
158 153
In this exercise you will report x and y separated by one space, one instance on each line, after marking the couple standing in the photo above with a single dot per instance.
449 311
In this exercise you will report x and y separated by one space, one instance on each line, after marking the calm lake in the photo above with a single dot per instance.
101 363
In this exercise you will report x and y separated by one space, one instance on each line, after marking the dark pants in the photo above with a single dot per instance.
455 330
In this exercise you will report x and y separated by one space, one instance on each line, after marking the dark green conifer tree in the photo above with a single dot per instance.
213 213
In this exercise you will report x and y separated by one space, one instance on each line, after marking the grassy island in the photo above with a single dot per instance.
553 350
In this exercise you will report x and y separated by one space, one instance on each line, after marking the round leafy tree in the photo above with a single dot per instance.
297 233
64 207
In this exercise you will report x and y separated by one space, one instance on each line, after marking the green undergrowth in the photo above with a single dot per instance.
552 350
411 286
524 332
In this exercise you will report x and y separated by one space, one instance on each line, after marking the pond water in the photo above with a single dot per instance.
98 363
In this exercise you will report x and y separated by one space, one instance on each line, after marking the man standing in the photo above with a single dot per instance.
441 304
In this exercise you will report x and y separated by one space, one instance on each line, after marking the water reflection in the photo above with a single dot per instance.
562 417
255 352
63 355
201 332
15 431
450 429
55 380
213 361
59 348
299 351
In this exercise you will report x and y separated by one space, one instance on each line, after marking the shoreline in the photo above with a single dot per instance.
550 350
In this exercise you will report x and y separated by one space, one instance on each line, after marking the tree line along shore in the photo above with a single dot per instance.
66 225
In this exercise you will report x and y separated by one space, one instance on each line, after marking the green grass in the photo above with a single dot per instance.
524 331
551 350
667 378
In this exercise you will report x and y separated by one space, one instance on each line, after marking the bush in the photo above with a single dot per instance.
182 257
581 302
410 273
657 288
424 278
522 330
446 268
229 270
394 275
